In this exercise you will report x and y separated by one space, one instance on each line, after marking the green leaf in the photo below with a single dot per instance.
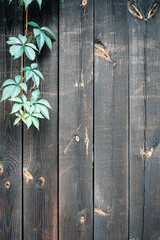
33 100
28 121
23 39
39 74
33 24
16 51
35 122
28 75
39 3
18 79
24 99
26 115
16 90
21 112
37 114
36 108
44 110
18 114
23 86
49 31
13 41
7 92
10 1
16 99
34 65
32 46
48 41
17 120
44 102
16 107
40 41
31 110
30 53
35 79
35 94
8 82
26 68
27 2
27 106
36 31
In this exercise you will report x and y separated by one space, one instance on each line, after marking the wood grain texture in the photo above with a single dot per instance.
40 147
137 123
138 82
111 122
152 166
10 137
76 121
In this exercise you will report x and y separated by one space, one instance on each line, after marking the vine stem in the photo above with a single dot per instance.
22 57
26 21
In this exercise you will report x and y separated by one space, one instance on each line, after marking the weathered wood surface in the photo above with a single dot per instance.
10 137
92 171
111 122
137 123
144 124
40 147
76 121
152 166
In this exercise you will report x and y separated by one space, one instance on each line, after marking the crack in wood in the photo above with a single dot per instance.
134 10
27 174
147 154
153 10
103 213
100 51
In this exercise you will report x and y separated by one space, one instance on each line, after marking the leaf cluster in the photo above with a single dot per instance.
28 107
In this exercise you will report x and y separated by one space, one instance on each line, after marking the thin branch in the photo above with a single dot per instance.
26 21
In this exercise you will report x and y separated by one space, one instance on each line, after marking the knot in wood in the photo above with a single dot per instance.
7 185
82 220
1 168
84 3
41 181
77 138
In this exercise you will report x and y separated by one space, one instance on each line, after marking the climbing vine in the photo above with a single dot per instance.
28 107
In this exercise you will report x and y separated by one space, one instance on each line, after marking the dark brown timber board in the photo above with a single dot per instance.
111 122
11 18
137 122
140 49
152 167
76 121
40 147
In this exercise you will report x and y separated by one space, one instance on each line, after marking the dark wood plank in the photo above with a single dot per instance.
138 117
137 124
111 122
152 166
40 147
76 121
11 24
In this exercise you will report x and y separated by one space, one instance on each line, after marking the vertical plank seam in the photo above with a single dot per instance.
145 124
128 133
58 119
93 163
22 146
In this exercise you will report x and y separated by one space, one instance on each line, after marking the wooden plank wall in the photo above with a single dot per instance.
111 122
40 147
76 121
10 137
95 164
